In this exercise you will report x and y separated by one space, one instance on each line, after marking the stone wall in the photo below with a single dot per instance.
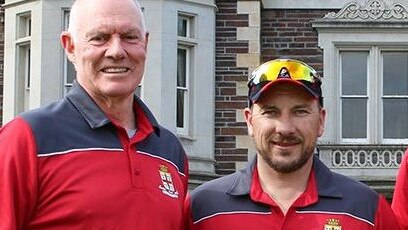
289 33
227 75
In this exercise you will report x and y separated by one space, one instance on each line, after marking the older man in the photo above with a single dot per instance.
97 159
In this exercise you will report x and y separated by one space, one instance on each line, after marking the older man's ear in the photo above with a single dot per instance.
67 42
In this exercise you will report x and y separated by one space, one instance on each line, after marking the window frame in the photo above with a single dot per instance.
186 97
188 43
23 59
66 63
381 95
375 107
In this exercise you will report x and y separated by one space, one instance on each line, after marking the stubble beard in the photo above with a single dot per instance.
289 167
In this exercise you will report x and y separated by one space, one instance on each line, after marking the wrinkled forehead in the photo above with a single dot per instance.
121 10
106 13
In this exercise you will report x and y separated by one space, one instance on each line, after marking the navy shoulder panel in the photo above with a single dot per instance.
165 145
357 199
59 127
212 198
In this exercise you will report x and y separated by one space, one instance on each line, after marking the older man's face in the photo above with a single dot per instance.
109 48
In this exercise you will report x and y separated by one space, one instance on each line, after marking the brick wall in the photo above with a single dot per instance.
289 33
227 102
1 59
283 33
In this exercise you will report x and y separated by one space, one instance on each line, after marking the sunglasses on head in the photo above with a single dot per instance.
283 68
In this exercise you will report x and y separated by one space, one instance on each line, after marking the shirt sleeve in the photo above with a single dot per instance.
400 198
18 173
385 218
188 222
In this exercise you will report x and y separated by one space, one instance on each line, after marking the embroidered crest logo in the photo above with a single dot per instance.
167 186
332 224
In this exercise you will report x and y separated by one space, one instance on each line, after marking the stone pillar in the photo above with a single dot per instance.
250 60
237 54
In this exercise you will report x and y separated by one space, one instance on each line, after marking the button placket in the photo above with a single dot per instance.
137 177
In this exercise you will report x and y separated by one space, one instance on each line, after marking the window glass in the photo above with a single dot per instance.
354 123
28 67
23 61
395 94
181 86
69 68
182 26
354 93
395 73
180 108
181 67
185 58
354 73
395 124
24 25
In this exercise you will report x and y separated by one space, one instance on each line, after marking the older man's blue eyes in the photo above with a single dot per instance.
103 39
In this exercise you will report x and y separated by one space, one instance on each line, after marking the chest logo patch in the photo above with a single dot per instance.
167 185
332 224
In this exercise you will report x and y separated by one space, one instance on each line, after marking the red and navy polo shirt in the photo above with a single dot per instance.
330 202
68 166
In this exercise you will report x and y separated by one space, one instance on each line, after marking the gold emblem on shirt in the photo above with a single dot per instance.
332 224
167 185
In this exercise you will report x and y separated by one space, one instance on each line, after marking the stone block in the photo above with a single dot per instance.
254 46
248 7
242 89
248 34
248 60
240 115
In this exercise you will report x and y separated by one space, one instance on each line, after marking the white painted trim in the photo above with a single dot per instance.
185 131
302 4
318 4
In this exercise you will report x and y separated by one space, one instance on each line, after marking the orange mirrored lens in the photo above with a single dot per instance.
284 68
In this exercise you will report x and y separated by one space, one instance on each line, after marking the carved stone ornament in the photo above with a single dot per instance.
367 158
372 10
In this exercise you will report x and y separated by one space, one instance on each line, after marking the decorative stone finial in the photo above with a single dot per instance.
372 10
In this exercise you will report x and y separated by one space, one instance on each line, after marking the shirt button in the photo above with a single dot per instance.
136 171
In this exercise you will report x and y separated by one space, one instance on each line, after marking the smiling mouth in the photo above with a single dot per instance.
115 70
283 144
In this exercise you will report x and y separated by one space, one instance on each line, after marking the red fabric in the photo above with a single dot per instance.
294 219
308 197
18 175
400 198
85 189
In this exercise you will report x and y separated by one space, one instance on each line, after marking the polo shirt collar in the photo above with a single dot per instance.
242 183
91 112
326 187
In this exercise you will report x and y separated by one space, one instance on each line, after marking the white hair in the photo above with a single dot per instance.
73 17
